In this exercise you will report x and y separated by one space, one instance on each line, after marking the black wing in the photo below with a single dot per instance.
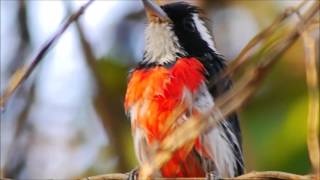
215 64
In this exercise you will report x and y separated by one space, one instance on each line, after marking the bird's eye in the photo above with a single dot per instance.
189 25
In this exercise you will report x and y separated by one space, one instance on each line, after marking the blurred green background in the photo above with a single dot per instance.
68 120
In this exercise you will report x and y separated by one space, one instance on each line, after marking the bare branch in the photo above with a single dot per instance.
118 176
252 175
313 90
24 72
247 52
273 175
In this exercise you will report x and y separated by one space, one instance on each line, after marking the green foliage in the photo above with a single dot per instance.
113 74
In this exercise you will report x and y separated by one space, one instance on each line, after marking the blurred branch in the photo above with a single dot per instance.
313 90
24 72
109 121
117 176
232 100
247 52
14 153
24 37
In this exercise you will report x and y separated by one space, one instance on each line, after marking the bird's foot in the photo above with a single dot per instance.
213 175
133 174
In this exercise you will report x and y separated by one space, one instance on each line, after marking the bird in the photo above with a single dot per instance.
172 83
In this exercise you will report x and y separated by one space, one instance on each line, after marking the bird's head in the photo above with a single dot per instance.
175 30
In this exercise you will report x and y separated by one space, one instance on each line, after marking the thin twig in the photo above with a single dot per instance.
24 72
247 52
226 104
313 91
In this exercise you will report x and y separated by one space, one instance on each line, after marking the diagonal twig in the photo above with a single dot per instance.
247 52
24 72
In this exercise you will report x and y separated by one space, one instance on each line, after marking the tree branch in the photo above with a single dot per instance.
252 175
247 53
273 175
24 72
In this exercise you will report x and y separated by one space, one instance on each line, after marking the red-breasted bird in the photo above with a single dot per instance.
171 83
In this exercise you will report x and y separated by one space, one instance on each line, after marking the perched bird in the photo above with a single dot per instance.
171 84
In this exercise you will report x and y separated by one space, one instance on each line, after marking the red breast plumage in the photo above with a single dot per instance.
156 94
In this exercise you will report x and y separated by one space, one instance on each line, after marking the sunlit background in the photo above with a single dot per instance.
67 120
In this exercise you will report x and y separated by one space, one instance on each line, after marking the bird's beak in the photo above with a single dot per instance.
154 11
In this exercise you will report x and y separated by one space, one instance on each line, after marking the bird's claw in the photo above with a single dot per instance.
212 176
133 174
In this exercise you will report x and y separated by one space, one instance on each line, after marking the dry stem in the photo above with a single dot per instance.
313 90
273 175
252 175
247 52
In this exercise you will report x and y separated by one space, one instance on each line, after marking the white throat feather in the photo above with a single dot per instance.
161 44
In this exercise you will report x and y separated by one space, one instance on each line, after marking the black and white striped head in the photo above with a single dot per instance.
175 30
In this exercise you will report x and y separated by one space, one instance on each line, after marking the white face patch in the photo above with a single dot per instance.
161 44
204 32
